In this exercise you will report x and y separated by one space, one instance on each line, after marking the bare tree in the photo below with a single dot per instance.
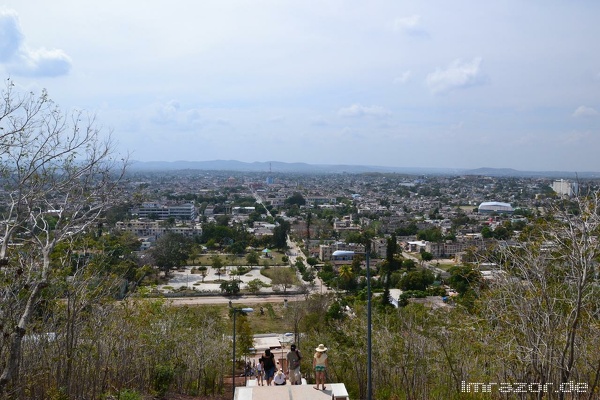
58 174
544 305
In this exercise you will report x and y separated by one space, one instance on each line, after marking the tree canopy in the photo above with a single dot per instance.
171 251
295 199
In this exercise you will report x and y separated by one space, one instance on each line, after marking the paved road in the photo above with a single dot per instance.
294 249
428 265
245 300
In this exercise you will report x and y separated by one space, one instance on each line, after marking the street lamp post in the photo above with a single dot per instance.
369 352
369 381
244 310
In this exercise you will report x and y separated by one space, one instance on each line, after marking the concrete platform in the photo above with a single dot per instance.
291 392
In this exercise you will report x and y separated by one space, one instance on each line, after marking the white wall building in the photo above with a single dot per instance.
183 211
564 188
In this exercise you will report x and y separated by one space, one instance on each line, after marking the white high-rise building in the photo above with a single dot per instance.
564 188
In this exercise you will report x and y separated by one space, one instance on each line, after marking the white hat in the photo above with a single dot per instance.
321 348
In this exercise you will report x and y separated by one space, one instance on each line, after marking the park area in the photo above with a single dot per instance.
231 274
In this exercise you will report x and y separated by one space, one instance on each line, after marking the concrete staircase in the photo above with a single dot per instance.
333 391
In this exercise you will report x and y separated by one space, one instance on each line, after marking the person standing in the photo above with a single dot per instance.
259 373
320 364
293 361
268 364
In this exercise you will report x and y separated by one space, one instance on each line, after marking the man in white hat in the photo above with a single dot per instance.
279 378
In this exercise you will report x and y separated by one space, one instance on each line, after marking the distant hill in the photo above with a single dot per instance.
279 167
509 172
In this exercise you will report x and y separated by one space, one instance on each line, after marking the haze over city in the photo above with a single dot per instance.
461 84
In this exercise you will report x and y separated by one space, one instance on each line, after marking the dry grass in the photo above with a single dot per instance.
272 321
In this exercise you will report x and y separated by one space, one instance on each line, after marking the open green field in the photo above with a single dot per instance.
445 265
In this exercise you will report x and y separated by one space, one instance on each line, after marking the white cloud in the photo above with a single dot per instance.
408 24
458 75
403 78
10 34
172 114
20 60
40 62
584 111
357 110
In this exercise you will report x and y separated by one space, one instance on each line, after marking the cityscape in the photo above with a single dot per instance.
108 265
103 263
390 200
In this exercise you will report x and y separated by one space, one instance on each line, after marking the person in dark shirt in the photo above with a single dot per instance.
268 363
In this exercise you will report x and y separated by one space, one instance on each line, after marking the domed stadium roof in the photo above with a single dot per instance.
495 206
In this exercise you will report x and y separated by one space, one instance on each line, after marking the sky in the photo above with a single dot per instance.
437 83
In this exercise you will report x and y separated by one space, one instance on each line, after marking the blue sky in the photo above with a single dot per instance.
457 84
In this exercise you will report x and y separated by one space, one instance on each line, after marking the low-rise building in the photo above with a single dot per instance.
183 211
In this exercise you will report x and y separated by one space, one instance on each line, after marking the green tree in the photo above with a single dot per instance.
433 234
417 280
252 258
217 233
357 261
346 276
217 264
222 220
230 287
255 285
238 247
203 270
486 232
163 376
284 277
502 233
425 256
390 265
409 230
464 278
409 264
295 199
171 251
244 336
280 233
312 261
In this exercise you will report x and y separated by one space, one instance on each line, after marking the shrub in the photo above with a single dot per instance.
162 378
129 395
